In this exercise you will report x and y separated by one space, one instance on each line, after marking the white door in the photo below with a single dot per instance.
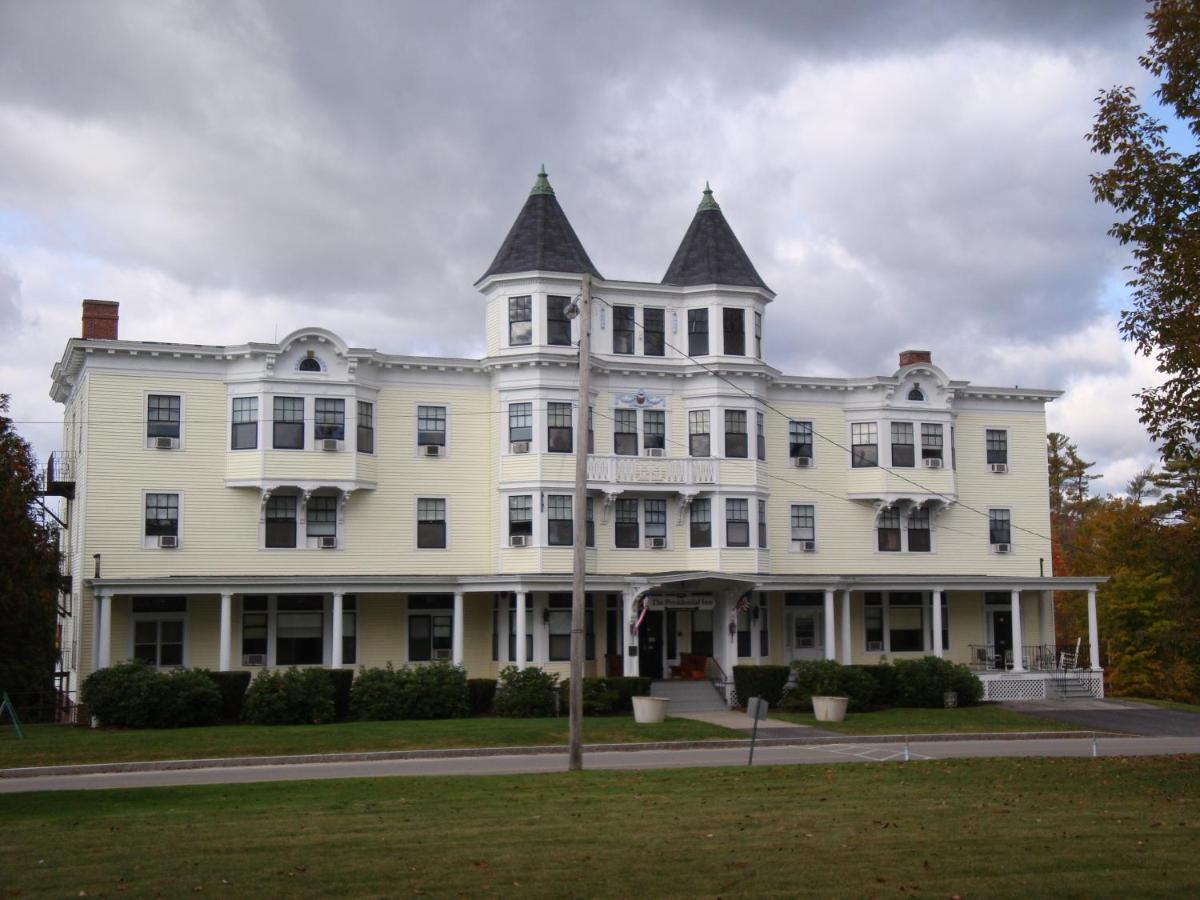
805 634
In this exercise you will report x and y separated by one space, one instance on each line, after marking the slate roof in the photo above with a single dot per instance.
710 252
541 238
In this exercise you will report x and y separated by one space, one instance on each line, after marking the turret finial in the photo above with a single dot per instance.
542 185
707 202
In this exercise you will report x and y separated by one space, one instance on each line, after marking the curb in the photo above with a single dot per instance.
167 765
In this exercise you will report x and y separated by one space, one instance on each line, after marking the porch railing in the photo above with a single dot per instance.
1034 658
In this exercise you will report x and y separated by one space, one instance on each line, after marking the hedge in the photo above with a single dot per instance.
232 686
919 682
291 697
435 691
925 681
134 695
767 682
605 695
342 680
481 692
526 693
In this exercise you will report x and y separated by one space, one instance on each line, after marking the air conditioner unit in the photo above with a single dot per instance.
518 540
932 462
1002 548
329 444
168 541
802 462
254 659
441 653
519 446
432 450
164 443
327 542
655 451
876 646
656 543
999 468
808 546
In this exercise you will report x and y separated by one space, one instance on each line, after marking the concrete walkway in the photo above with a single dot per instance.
1124 716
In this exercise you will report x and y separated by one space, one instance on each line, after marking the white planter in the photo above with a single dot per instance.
830 709
649 710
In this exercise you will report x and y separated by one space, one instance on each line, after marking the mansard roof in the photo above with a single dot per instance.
710 252
541 238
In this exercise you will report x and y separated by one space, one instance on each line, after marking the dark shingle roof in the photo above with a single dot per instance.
541 238
710 252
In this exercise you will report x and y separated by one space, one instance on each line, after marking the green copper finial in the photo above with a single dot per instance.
542 185
708 202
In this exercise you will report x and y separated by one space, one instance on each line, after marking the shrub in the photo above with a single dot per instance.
923 682
292 697
826 677
123 696
767 682
603 695
378 694
481 692
884 676
526 692
627 688
232 686
436 691
342 680
184 698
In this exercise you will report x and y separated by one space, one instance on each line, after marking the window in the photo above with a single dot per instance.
244 431
737 523
902 444
431 523
349 630
591 522
299 631
560 525
873 621
558 626
736 442
701 519
330 421
623 324
800 440
520 422
654 429
558 326
431 426
321 513
699 442
997 445
735 331
762 524
761 434
906 618
626 531
656 518
804 522
162 515
430 627
931 441
520 515
653 332
309 364
758 335
162 416
916 394
366 427
288 425
889 530
158 630
559 434
281 521
918 531
864 445
520 321
625 432
697 332
254 627
1000 526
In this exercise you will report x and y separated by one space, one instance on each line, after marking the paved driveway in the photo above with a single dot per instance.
1126 716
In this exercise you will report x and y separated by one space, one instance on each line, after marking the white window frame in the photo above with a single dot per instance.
418 447
307 422
793 542
160 617
312 541
750 522
535 418
534 526
258 443
148 442
150 542
416 522
812 443
301 524
850 443
1008 454
1011 544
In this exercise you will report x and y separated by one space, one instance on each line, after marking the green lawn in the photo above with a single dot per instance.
47 745
930 721
972 828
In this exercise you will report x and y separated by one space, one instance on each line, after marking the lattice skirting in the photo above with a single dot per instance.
1014 688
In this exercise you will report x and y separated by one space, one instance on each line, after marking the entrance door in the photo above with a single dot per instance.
805 633
650 645
1002 635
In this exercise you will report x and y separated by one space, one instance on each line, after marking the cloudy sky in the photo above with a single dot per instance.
901 173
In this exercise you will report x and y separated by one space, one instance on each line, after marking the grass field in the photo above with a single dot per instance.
930 721
1165 704
996 828
47 745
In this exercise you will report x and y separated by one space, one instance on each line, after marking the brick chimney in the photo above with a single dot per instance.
908 357
100 320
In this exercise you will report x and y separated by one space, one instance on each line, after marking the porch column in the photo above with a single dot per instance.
938 649
457 639
846 651
520 630
830 635
629 662
335 660
1093 631
1018 635
1046 619
729 632
104 630
226 635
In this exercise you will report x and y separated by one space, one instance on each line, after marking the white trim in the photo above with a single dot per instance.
147 441
149 542
418 447
417 498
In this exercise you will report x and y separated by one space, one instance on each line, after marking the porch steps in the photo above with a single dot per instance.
1070 688
688 696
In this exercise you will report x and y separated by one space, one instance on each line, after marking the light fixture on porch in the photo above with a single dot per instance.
732 627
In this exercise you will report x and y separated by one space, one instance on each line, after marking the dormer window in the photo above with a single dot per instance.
916 393
309 365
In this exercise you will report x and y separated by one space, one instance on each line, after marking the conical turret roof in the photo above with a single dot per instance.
710 252
541 238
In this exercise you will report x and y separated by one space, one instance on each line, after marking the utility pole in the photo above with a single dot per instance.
579 529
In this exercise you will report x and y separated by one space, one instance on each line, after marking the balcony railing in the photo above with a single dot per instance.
58 477
651 470
1034 658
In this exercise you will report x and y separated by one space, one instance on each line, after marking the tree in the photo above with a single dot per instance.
1069 477
28 571
1179 483
1157 189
